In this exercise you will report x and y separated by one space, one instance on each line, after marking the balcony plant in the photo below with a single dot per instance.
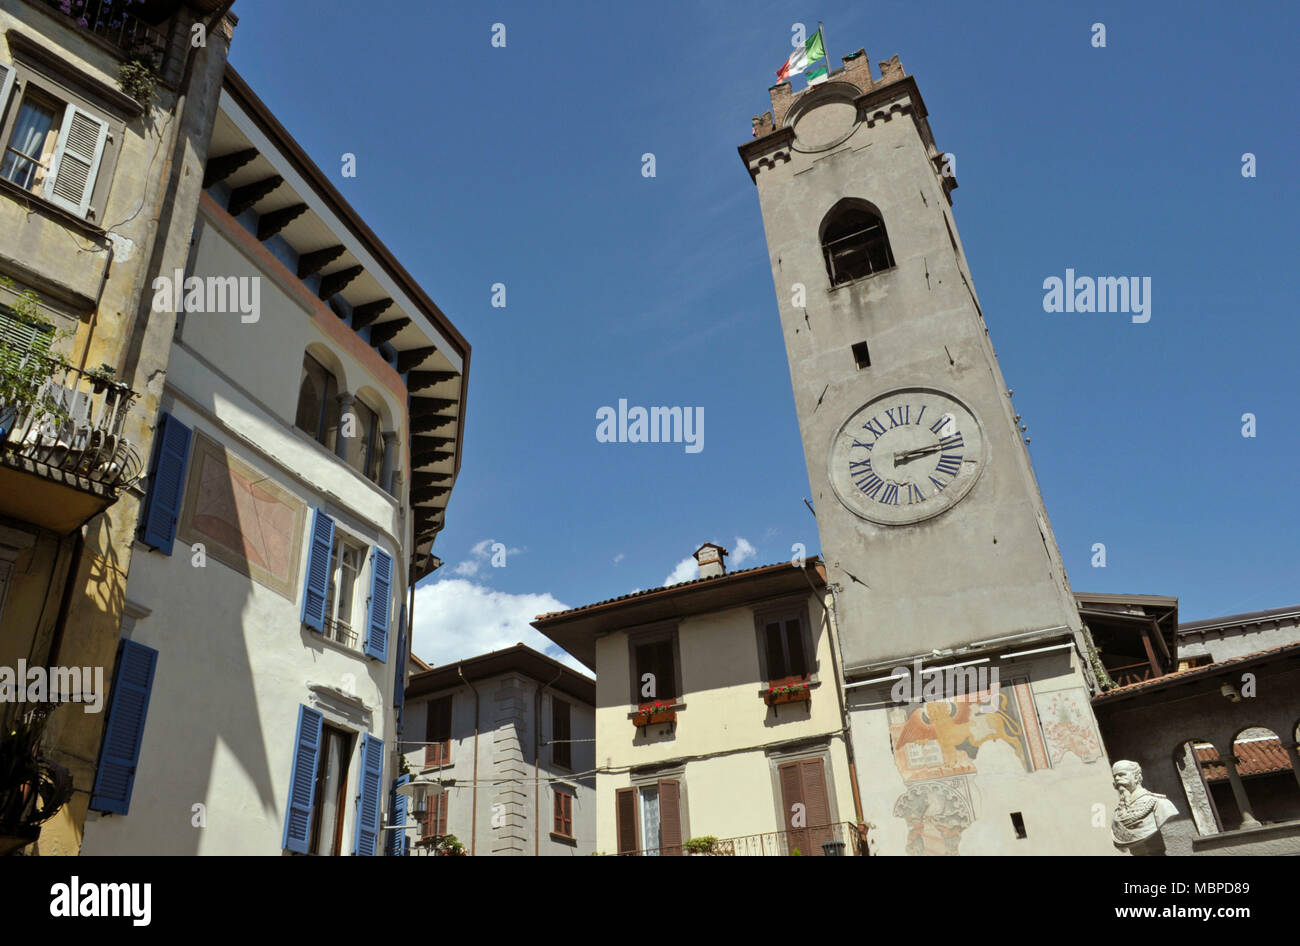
32 788
707 846
790 693
24 373
660 711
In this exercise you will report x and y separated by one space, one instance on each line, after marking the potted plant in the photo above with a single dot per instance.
660 711
32 788
790 693
707 846
449 846
101 377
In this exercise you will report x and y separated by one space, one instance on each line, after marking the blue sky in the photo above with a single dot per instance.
522 165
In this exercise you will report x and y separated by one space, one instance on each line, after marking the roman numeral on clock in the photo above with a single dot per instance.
949 442
946 422
890 496
949 463
914 494
859 467
864 446
902 412
875 426
938 484
870 484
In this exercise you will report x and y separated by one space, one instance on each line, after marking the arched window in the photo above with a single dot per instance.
854 242
317 402
368 457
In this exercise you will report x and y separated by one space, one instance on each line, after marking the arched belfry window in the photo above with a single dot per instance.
854 242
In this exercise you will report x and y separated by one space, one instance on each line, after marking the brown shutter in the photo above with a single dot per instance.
670 819
625 809
791 795
813 772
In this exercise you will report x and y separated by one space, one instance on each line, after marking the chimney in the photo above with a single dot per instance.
711 557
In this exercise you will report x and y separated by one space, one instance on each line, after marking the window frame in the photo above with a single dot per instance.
563 798
561 746
437 753
654 634
344 541
326 433
435 816
69 89
652 779
345 772
841 208
781 611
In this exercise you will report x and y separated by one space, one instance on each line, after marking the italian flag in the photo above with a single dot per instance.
810 50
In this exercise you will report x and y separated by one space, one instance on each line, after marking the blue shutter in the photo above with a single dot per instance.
372 770
318 571
398 842
381 594
162 507
302 781
132 681
399 677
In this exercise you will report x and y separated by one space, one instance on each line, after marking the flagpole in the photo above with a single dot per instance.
826 49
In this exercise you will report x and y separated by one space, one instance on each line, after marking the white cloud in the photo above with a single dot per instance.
686 570
482 552
743 552
619 557
456 619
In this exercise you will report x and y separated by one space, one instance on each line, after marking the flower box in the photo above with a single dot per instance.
655 713
800 693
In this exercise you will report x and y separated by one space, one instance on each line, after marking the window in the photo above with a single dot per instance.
30 151
649 819
561 753
18 337
368 458
331 786
854 242
563 813
655 670
54 146
340 599
437 732
317 399
434 822
806 803
784 648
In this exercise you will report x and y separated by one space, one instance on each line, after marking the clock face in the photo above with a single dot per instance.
906 455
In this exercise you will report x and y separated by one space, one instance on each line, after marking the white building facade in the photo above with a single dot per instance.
289 511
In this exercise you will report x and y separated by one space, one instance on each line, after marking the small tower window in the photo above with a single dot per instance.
854 242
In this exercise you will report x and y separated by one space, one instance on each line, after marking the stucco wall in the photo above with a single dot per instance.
505 812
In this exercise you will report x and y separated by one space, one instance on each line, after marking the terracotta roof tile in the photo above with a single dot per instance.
1205 670
1256 757
812 562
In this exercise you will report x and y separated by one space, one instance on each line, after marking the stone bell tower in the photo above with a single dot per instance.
932 527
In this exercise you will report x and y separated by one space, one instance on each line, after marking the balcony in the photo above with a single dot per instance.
129 32
63 456
838 839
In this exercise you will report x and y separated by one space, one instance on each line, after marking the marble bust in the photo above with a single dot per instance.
1135 827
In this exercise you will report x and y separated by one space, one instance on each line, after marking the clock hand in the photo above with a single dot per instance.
913 454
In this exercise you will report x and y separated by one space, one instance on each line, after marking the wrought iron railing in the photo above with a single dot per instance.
112 20
837 839
72 423
341 633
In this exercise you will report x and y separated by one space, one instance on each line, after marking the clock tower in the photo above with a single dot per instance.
932 528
